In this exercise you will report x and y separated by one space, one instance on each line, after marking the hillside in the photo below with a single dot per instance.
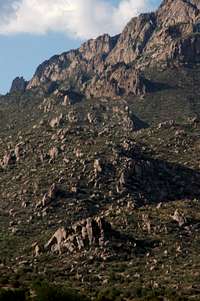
100 165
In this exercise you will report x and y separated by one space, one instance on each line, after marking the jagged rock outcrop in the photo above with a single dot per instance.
118 80
56 122
18 85
86 71
11 157
8 159
53 153
110 66
176 26
20 150
160 37
92 233
133 39
48 197
74 67
179 218
151 180
83 235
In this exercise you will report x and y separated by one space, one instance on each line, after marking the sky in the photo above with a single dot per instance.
32 31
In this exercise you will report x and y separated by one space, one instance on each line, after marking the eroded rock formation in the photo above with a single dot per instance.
110 66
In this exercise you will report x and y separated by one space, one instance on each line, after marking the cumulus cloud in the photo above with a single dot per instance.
79 18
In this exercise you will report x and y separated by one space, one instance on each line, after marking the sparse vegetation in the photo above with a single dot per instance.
102 196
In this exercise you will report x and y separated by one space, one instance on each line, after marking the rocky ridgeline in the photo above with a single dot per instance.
111 66
170 35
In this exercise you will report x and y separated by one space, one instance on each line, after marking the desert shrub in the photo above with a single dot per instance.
12 295
46 292
150 294
109 294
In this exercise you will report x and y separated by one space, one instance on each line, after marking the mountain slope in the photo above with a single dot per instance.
100 165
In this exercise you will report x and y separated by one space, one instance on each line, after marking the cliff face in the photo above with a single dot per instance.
76 66
168 35
176 33
133 39
110 66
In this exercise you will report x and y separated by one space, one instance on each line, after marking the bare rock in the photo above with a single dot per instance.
117 81
37 249
109 66
19 151
83 235
18 85
48 197
56 241
146 223
97 167
53 153
179 218
8 159
56 122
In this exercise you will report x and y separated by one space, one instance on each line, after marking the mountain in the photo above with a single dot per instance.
18 85
99 167
112 66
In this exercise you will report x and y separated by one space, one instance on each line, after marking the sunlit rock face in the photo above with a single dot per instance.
110 66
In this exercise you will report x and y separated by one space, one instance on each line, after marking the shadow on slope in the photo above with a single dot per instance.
153 180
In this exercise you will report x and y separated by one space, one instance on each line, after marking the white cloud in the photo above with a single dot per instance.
80 18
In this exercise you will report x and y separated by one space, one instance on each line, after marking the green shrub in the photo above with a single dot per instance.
12 295
109 294
46 292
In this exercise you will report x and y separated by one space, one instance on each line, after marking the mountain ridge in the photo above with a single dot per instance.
167 37
103 192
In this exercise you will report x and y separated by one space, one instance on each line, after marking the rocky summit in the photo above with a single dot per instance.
100 166
113 66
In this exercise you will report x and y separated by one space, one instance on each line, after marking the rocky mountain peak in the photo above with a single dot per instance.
196 3
133 39
100 46
177 11
18 85
111 66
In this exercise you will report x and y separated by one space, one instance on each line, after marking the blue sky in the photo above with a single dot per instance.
34 30
21 54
